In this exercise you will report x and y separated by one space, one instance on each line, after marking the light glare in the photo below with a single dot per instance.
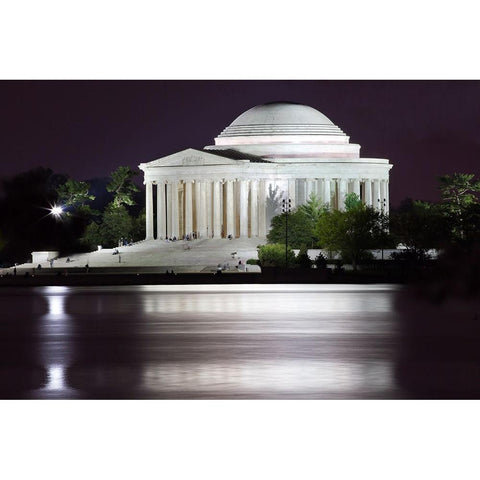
56 211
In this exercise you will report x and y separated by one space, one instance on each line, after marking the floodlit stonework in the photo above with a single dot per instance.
269 153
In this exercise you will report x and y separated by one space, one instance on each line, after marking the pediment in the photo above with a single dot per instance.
192 157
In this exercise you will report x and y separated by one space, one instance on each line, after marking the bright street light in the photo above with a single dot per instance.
56 211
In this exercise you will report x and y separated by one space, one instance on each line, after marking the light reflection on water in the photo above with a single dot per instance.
56 378
319 302
229 341
306 376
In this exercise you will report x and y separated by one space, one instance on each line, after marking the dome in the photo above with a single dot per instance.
282 113
281 118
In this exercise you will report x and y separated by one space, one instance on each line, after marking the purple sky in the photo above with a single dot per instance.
88 128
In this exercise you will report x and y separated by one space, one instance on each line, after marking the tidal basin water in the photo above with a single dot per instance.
199 342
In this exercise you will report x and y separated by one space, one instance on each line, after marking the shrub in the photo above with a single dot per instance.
363 258
273 255
320 261
303 260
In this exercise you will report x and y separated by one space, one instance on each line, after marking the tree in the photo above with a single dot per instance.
74 193
419 226
459 195
313 209
459 190
138 230
299 229
352 201
301 225
116 223
351 232
320 261
122 186
74 196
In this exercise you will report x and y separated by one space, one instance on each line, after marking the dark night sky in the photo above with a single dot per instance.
87 128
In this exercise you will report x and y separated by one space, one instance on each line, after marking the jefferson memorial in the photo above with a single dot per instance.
269 153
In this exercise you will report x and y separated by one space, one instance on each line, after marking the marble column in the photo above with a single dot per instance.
149 210
217 211
254 208
202 228
387 196
327 194
318 189
262 208
368 192
342 191
175 212
161 216
301 191
382 195
244 208
169 209
310 189
356 187
376 194
230 209
208 209
198 205
188 207
291 193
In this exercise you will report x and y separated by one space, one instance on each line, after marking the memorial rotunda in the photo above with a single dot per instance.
269 153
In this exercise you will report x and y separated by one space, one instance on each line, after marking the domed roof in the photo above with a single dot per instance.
281 118
281 113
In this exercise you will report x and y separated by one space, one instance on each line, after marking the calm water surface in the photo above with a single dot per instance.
229 341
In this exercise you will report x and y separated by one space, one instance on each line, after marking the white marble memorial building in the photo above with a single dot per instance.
271 152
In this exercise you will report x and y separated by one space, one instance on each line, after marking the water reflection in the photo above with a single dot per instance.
292 377
233 341
55 378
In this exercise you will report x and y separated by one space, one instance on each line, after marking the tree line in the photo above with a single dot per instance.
418 226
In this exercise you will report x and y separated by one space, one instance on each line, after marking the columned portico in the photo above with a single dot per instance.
209 208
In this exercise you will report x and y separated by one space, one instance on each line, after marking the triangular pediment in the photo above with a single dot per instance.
192 157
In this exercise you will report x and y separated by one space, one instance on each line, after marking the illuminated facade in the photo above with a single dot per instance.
269 153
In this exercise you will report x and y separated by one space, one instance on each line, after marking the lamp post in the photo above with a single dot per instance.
382 207
286 209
